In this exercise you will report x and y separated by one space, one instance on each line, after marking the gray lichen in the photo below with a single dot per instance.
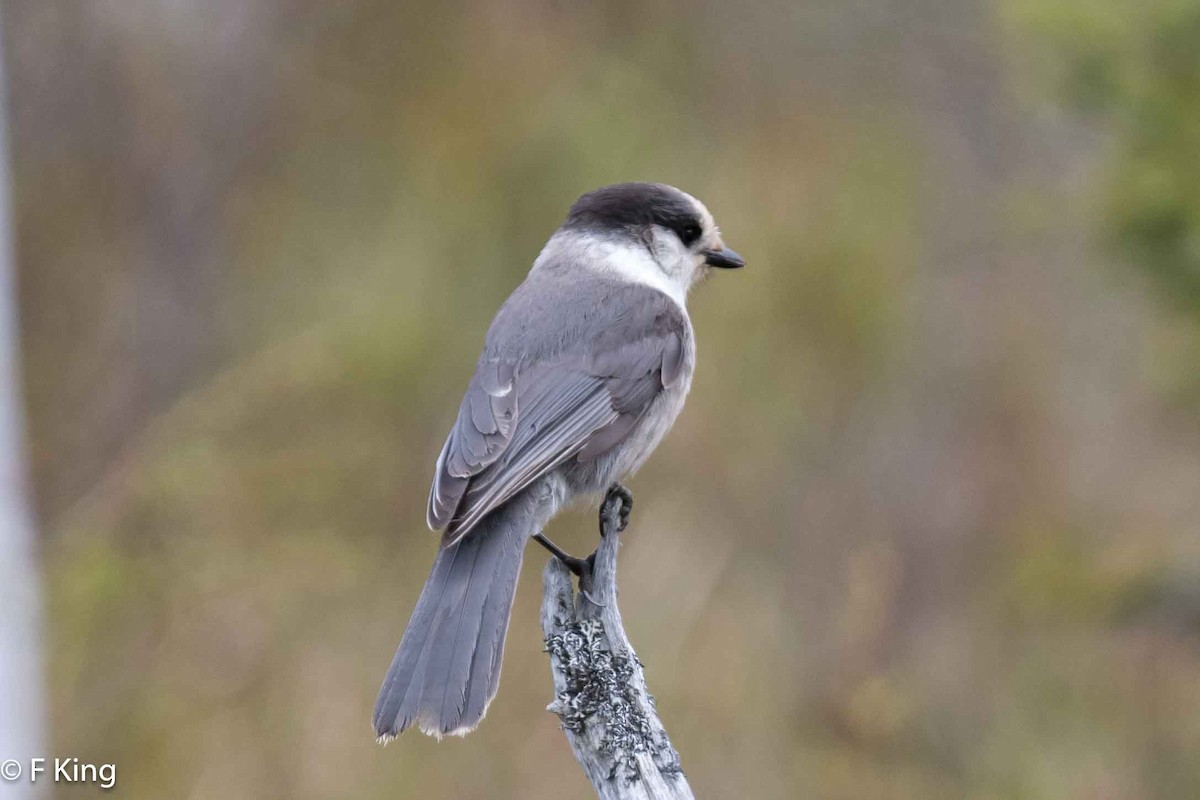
599 687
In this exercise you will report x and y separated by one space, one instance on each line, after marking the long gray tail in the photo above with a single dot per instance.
447 668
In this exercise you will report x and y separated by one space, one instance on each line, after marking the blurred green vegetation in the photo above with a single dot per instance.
1137 65
1134 69
926 529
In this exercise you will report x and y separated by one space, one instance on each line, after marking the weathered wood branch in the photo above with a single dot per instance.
600 692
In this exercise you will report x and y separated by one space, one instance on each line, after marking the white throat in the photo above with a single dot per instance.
628 261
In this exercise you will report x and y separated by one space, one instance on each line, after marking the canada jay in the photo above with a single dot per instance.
583 371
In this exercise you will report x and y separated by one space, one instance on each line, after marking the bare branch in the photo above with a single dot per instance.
599 686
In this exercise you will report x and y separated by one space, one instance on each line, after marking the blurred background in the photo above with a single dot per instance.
928 528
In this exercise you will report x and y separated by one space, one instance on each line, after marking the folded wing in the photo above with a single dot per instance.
520 419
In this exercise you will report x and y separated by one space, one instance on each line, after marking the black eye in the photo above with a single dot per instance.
689 233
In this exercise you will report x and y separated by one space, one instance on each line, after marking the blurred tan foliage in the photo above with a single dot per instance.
928 527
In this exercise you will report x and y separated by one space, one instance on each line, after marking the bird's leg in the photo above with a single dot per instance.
615 510
577 565
614 517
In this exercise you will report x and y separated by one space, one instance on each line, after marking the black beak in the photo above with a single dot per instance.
723 259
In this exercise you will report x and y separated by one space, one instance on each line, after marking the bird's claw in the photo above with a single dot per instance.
615 510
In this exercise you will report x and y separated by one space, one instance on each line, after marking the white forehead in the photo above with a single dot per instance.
700 206
705 217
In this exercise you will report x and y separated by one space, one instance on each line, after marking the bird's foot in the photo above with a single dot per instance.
578 566
614 517
615 510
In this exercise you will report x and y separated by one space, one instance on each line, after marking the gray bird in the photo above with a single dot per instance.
583 371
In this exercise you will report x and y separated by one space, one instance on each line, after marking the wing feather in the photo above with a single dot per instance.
523 416
543 447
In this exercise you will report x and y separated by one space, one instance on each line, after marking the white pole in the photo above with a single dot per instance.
21 691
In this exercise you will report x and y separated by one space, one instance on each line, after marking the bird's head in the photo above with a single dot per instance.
649 232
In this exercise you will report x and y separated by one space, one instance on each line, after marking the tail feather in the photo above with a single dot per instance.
486 657
447 668
454 651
